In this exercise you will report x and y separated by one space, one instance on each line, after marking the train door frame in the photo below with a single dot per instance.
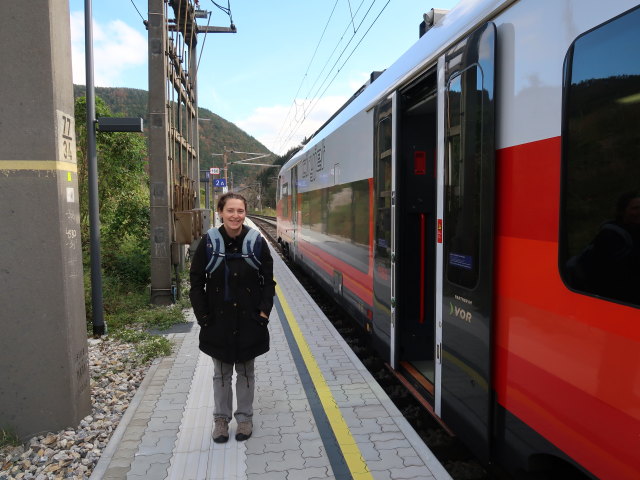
416 140
437 404
393 339
384 192
466 212
295 234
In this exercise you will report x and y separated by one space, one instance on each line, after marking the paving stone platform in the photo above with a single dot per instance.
348 428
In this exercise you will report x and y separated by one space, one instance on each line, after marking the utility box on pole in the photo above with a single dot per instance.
44 378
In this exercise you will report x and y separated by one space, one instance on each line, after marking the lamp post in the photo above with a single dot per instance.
99 327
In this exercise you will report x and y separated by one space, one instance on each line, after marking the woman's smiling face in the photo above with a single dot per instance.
233 214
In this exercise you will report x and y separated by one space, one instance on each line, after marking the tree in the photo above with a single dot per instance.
123 192
268 178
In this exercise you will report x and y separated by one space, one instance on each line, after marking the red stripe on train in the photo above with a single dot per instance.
357 282
528 189
566 364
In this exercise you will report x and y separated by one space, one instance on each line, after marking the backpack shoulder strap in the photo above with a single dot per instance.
252 248
215 249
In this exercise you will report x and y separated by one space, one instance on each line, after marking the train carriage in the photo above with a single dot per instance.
477 209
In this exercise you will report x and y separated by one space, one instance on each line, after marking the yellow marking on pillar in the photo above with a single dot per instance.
346 442
46 165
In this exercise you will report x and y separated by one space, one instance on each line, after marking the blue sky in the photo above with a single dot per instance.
265 78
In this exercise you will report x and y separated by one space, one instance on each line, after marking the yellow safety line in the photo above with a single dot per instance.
37 165
348 445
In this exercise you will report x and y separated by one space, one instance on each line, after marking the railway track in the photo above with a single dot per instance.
454 456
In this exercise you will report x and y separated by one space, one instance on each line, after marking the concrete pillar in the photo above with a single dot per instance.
44 375
159 167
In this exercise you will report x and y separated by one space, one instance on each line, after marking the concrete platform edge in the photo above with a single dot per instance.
114 442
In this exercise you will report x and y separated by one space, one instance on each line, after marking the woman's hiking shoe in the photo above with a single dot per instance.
244 431
221 430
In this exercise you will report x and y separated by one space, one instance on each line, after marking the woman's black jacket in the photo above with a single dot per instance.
232 329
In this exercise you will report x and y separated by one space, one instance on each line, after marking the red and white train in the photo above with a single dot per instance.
476 207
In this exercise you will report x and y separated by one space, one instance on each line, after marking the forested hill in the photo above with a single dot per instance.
215 134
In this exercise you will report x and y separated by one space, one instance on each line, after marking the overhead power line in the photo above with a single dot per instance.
226 10
316 98
351 12
134 6
307 71
295 104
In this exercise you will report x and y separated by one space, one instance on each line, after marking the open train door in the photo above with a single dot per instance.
465 238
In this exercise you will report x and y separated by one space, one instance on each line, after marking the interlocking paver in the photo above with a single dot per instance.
143 464
311 448
288 441
381 475
269 476
259 463
260 443
303 422
413 473
389 459
309 473
153 444
290 460
392 444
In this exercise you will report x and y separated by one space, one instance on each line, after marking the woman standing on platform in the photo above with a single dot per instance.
232 305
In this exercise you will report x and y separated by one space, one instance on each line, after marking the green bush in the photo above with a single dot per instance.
128 261
162 318
129 335
154 347
8 439
148 346
123 187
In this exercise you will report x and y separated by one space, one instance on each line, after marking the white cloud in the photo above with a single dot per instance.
117 49
280 127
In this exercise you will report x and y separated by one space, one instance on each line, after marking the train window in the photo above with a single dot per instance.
285 200
383 188
462 176
347 211
600 217
360 205
312 211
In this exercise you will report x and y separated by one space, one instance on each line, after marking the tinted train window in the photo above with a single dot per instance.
383 188
600 219
285 199
462 176
347 212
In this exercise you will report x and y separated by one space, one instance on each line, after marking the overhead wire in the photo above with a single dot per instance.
351 12
343 50
134 6
354 48
316 98
317 78
304 107
315 51
226 10
204 40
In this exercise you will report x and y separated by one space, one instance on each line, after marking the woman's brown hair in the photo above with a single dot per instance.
227 196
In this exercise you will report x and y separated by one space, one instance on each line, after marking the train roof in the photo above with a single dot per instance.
461 19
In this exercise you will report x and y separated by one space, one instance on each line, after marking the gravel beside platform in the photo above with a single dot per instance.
74 452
